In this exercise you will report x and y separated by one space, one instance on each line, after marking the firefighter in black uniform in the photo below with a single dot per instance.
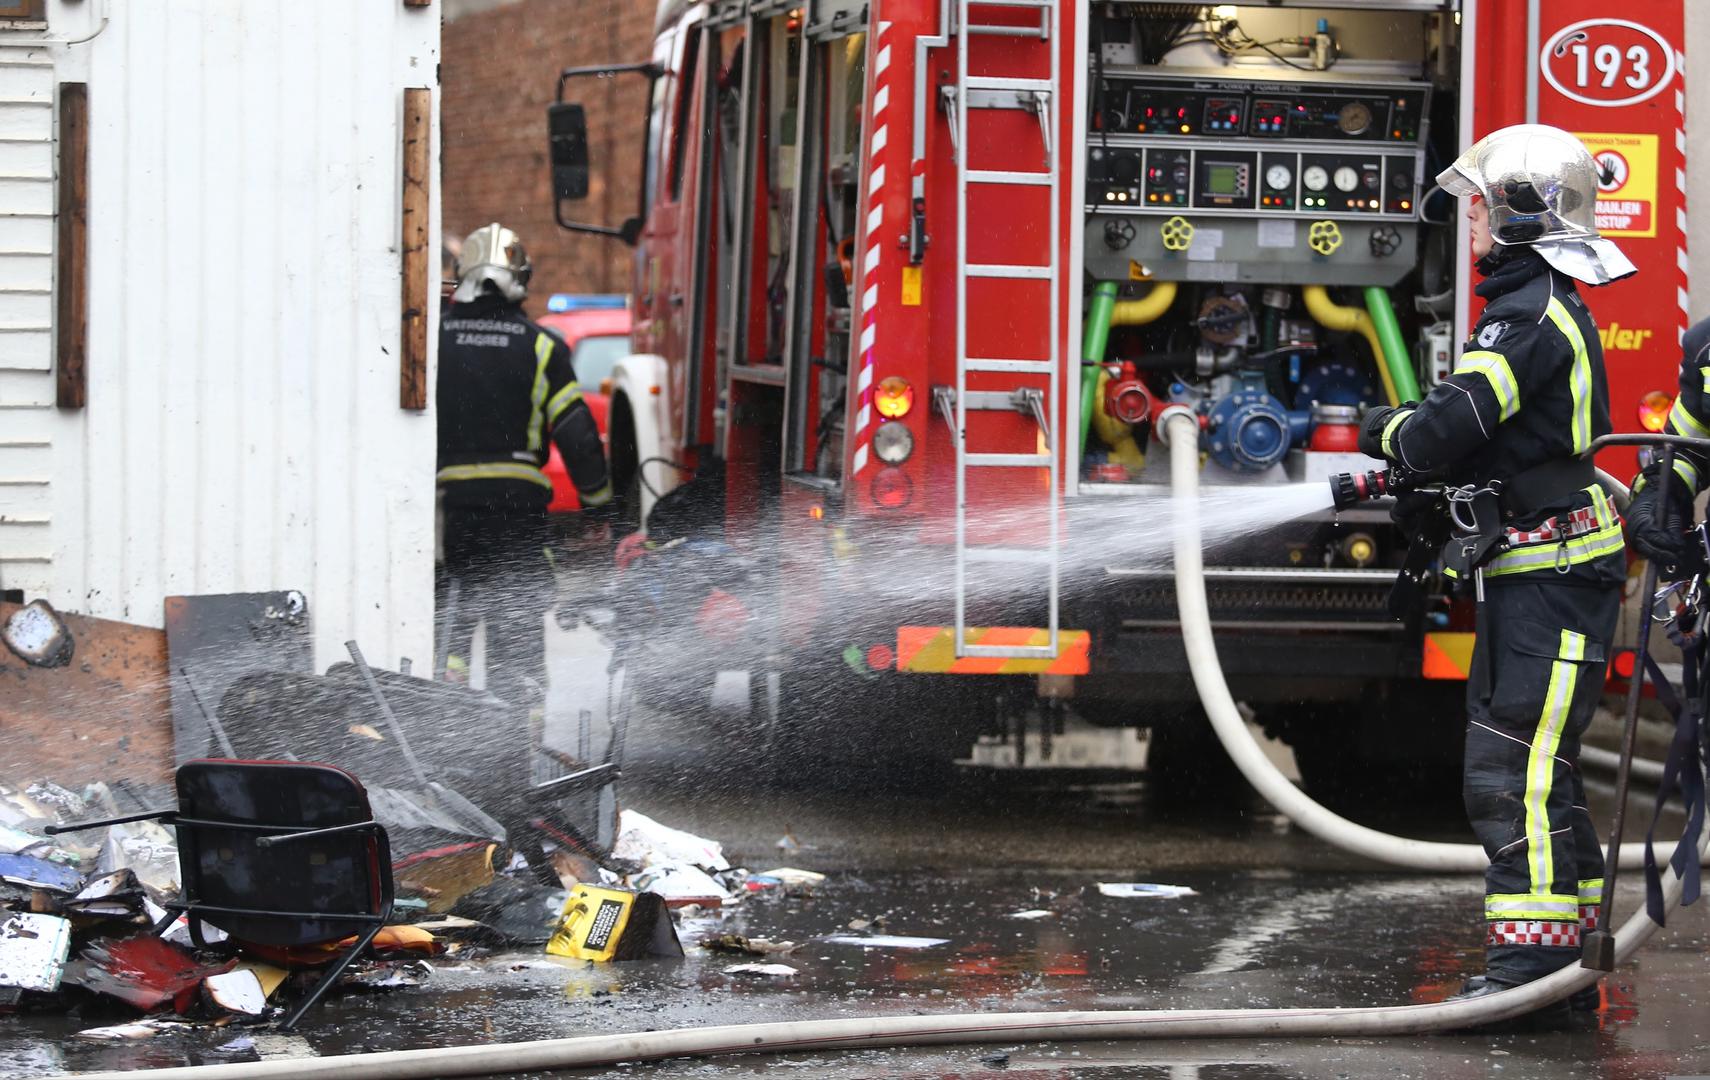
1534 531
1660 520
506 387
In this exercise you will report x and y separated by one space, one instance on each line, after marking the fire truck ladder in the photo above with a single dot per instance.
1042 98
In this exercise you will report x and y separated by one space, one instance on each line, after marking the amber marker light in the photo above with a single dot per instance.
1654 409
894 397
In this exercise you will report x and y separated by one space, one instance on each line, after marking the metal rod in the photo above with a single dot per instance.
392 724
1645 439
448 622
55 830
1600 952
207 714
597 776
355 826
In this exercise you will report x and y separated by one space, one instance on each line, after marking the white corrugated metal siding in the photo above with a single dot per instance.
243 430
26 298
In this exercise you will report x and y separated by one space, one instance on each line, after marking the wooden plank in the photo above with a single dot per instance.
418 3
71 318
104 716
413 352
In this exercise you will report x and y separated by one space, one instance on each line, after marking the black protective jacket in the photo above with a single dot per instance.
1527 397
1691 412
506 386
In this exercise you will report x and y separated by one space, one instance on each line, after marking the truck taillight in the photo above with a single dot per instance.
894 397
1654 409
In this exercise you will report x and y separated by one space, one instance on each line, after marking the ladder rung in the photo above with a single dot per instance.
997 176
989 82
1014 461
1011 652
1033 556
1012 3
1008 31
1017 367
1001 270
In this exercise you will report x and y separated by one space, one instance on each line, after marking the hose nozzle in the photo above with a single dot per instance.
1346 489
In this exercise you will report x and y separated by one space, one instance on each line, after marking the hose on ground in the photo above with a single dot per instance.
1651 772
1182 437
593 1051
867 1033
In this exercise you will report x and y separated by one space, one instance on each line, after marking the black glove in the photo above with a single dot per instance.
1658 529
1371 428
1411 510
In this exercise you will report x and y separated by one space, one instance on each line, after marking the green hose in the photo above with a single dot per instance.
1394 349
1095 337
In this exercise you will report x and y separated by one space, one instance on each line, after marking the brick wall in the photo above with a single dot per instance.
499 71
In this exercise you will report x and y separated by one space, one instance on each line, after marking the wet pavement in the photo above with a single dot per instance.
1275 919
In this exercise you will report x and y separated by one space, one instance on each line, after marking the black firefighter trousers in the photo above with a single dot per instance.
1537 674
498 560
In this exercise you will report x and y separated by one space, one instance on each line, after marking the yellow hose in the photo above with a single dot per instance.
1114 433
1147 308
1333 316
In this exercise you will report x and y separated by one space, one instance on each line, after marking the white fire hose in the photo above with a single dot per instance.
1180 430
868 1033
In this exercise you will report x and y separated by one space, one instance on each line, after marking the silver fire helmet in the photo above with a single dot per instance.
1539 185
492 255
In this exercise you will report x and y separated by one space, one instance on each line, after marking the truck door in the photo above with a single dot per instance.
659 292
831 80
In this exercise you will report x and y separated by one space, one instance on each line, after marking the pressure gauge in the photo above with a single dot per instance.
1347 179
1354 118
1278 177
1315 178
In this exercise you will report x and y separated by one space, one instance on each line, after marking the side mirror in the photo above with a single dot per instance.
567 134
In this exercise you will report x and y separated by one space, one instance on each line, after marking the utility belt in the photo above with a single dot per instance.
1476 536
1478 541
1559 528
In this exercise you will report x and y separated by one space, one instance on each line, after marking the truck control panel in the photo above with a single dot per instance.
1227 155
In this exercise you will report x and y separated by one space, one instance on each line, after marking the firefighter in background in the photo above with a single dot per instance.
506 387
1660 521
1533 529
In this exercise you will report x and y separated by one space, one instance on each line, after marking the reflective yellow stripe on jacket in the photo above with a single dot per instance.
1494 367
1580 378
493 470
562 400
537 397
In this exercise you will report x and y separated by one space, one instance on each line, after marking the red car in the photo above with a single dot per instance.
596 327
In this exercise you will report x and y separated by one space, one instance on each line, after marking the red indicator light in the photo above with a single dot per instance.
1624 663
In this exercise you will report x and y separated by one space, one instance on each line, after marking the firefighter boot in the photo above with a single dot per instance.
1555 1016
1589 1000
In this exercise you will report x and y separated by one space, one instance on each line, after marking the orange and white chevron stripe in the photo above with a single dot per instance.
932 649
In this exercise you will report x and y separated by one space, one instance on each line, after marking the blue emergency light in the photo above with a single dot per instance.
559 302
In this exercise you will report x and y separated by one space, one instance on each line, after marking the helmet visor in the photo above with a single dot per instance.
1457 182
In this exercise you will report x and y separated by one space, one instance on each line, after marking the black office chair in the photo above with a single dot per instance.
277 853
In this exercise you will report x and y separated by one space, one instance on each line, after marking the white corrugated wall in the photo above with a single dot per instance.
26 301
243 430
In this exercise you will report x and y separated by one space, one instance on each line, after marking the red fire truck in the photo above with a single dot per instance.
919 275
